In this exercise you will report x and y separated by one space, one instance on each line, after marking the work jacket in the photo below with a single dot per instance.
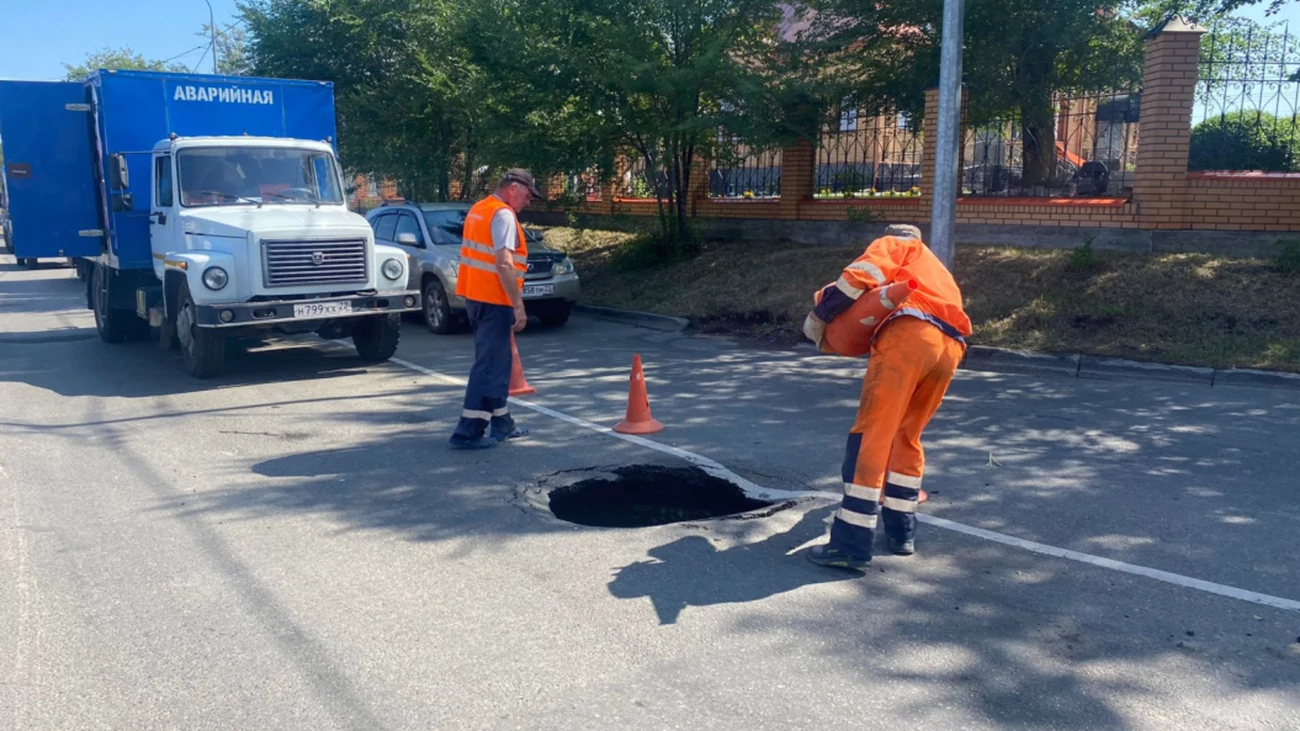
477 277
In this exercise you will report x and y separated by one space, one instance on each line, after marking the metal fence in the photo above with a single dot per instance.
860 156
637 181
1247 99
1087 146
583 185
744 172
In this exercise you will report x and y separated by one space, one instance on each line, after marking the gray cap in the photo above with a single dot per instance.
524 178
903 231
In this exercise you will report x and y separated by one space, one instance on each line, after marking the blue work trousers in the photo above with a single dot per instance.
489 379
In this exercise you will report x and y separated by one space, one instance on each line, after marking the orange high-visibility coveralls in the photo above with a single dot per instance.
913 358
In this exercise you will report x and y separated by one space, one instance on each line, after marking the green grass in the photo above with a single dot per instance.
1191 309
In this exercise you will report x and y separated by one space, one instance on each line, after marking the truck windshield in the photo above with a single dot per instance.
224 176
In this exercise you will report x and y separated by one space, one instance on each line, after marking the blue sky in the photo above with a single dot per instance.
41 35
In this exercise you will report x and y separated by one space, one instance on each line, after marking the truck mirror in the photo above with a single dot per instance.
119 176
408 239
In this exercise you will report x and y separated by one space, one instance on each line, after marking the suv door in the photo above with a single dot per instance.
408 224
383 225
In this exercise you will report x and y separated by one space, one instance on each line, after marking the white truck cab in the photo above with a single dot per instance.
254 232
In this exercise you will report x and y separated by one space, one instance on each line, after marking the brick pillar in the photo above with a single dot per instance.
798 176
929 148
1160 186
701 166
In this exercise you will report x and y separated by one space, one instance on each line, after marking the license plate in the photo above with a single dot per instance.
537 290
322 309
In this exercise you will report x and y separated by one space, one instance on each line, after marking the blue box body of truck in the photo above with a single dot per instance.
57 137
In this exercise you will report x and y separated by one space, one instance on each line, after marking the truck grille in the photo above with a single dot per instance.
314 263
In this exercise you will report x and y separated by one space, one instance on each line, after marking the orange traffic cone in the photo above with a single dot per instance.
639 420
518 384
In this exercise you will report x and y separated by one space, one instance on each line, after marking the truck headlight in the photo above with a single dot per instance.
563 266
394 269
215 278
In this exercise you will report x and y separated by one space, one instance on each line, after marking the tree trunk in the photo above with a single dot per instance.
1038 133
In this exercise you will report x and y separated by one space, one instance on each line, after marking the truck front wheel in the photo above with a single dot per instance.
203 349
376 337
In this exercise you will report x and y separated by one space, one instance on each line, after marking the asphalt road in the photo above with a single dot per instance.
292 546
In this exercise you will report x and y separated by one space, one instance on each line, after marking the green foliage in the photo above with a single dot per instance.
1288 259
1245 140
1083 258
120 59
408 102
654 80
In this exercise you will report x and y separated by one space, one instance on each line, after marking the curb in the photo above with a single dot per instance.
1098 368
985 357
632 317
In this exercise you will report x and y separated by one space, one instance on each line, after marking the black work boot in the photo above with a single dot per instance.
835 558
903 547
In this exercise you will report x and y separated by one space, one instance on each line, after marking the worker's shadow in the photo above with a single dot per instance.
691 572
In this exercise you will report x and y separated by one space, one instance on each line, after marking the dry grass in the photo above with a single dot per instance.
1191 309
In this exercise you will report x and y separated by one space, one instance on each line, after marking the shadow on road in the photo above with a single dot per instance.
692 572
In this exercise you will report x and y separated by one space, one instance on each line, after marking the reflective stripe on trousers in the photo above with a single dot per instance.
489 379
911 365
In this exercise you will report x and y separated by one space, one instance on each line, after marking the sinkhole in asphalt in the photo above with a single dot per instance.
636 496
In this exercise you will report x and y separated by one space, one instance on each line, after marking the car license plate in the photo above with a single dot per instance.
322 309
537 290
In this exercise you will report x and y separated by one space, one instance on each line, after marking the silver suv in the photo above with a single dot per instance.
431 234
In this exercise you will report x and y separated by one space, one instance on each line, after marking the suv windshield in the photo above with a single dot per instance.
445 226
214 176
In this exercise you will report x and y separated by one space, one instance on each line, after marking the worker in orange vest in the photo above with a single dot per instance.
493 259
914 354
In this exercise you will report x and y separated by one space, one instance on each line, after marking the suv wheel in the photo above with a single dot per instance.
437 310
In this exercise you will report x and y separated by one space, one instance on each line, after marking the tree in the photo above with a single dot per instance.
119 59
658 79
403 94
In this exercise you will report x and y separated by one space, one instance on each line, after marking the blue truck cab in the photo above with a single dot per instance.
200 206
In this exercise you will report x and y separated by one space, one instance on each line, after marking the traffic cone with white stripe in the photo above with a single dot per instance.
639 420
518 384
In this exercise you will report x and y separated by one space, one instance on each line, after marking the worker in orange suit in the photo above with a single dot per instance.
914 354
493 260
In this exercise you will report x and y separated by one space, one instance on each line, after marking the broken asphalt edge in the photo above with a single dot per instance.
632 317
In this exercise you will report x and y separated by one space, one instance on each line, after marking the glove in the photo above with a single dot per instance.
814 329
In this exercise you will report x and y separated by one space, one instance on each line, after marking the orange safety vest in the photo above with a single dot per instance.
477 277
894 259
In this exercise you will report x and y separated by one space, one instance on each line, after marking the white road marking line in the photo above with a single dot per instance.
1106 563
716 469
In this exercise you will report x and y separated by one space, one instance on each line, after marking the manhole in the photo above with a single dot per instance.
636 496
